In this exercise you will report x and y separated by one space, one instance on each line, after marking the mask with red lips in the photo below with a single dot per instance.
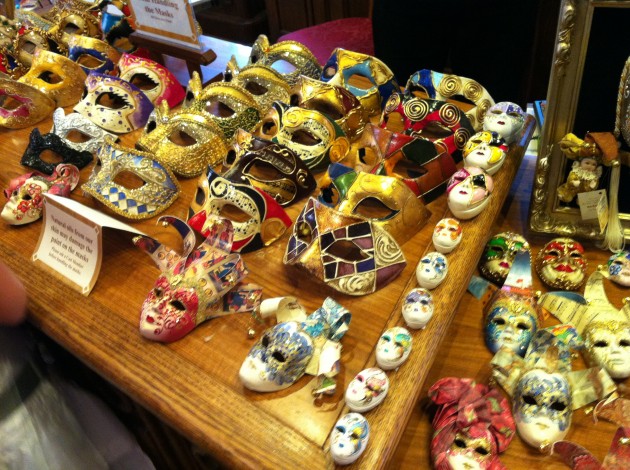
561 264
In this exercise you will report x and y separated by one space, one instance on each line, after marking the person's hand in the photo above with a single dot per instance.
12 297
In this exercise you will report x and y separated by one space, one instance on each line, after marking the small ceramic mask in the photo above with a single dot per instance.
432 270
92 54
393 348
561 264
349 438
447 235
619 268
22 105
367 390
38 144
92 136
498 255
486 150
506 119
469 192
418 308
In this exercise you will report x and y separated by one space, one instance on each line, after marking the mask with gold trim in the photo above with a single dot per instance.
386 201
347 252
10 63
22 105
377 80
57 76
316 138
158 191
70 21
30 39
334 101
114 104
257 218
505 118
561 264
469 191
300 59
486 150
155 80
91 135
92 54
498 255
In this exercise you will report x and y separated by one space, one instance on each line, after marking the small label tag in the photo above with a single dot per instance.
602 213
589 203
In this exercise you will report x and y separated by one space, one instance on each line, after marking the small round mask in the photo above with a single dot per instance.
367 390
486 150
498 255
469 191
608 345
511 321
393 348
431 270
561 264
447 235
505 118
418 308
619 268
349 438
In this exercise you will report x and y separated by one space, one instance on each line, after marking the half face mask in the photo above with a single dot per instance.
257 218
92 54
56 76
377 80
92 137
29 39
155 80
561 264
447 235
619 268
114 104
349 438
38 144
506 119
25 193
469 191
393 348
158 190
9 62
22 105
498 255
486 150
387 201
367 390
349 253
431 270
417 308
76 21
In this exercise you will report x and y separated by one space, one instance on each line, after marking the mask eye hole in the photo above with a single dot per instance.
27 197
360 378
435 130
329 72
189 96
558 406
182 138
330 195
460 443
360 81
111 100
150 127
325 108
341 429
386 338
50 77
373 208
304 232
230 157
576 255
522 326
554 253
278 356
235 214
178 305
158 292
128 180
89 61
514 114
9 103
269 128
601 344
264 171
283 66
624 343
366 156
530 400
143 81
498 321
346 250
481 450
219 109
452 229
77 136
496 111
265 341
303 137
256 89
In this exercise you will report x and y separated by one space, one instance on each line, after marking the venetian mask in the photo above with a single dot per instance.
22 105
349 438
498 255
38 144
418 308
510 321
378 81
469 191
447 235
608 345
349 253
431 270
486 150
619 268
367 390
76 21
561 264
114 104
393 348
257 218
506 119
9 62
30 39
92 54
56 76
91 136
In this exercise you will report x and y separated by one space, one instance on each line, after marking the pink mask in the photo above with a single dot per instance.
469 192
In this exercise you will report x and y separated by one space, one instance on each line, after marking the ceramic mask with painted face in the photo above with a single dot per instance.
608 345
511 322
417 308
349 438
447 235
431 270
561 264
497 258
472 453
469 191
393 348
486 150
619 268
367 390
506 119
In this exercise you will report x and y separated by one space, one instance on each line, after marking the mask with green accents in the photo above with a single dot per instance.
498 255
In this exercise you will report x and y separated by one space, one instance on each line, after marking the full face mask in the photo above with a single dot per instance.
114 104
37 144
469 191
387 201
418 308
25 194
349 438
56 76
498 255
432 270
22 105
561 264
378 81
92 54
258 219
486 150
619 268
393 348
349 253
92 137
506 119
158 191
367 390
155 80
447 235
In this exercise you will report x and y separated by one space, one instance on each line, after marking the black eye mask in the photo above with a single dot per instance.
39 143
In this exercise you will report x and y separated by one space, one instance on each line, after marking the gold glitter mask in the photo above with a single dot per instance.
30 39
22 105
75 21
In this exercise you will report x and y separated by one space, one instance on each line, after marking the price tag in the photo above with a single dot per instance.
594 205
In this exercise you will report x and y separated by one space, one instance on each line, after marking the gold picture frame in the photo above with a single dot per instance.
568 101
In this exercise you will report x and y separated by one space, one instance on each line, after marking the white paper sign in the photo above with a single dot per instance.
166 20
589 202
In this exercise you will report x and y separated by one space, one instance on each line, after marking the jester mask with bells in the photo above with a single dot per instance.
498 255
269 166
316 138
257 219
92 54
605 328
544 389
297 345
473 424
298 56
387 201
114 104
486 150
22 105
195 286
155 80
349 253
441 86
379 83
25 193
56 76
561 264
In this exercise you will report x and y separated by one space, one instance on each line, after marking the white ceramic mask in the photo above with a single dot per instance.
506 119
367 390
447 235
619 268
469 191
349 438
608 345
417 308
393 348
431 270
486 150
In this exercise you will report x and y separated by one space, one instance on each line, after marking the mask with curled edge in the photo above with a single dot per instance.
22 105
92 54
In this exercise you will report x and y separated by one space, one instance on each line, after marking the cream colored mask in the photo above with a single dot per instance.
22 105
486 150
